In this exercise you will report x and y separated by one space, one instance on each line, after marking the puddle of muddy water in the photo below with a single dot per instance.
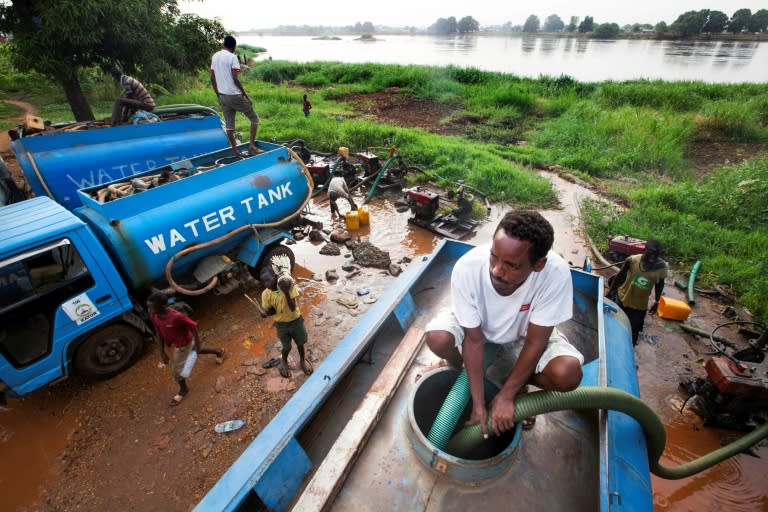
34 435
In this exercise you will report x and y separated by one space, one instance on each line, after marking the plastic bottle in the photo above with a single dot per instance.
229 426
189 364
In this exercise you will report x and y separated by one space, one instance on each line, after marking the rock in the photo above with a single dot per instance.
330 249
340 237
316 236
317 277
251 361
395 269
348 266
348 301
251 370
368 255
331 275
220 382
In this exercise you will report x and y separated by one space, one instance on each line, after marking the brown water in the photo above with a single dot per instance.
32 439
35 433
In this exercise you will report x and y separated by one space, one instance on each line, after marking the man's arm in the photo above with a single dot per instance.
472 352
620 277
213 83
160 343
658 289
236 79
286 288
196 339
503 406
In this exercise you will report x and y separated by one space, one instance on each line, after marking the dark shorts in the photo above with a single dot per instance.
294 330
232 103
636 317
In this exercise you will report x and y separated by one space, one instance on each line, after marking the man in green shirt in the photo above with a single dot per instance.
639 274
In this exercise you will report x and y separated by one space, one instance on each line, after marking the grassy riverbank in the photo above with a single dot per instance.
637 141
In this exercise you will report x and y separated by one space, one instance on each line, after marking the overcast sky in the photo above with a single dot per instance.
239 15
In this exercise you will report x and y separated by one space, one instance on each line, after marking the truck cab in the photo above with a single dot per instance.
62 302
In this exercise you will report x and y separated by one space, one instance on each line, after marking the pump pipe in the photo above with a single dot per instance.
594 397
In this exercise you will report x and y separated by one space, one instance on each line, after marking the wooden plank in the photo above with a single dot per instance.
329 477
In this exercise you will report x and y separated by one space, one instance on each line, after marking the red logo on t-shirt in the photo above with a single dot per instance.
525 307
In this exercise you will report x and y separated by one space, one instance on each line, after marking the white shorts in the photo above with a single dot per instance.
557 346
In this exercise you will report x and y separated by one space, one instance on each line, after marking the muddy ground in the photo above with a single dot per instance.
117 444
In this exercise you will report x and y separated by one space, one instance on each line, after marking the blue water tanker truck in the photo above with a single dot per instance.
73 283
60 160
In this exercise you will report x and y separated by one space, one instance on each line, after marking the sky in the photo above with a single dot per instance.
241 15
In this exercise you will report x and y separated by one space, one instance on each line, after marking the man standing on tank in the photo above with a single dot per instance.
511 293
225 70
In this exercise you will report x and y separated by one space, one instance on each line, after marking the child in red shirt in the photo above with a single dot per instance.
177 330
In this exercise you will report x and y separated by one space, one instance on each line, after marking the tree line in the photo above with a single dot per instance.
687 24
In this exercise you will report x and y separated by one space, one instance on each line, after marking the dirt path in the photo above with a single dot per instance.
117 444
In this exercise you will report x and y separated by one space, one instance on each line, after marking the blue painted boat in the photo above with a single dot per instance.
349 438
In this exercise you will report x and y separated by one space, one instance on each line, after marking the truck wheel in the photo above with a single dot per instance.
108 352
277 250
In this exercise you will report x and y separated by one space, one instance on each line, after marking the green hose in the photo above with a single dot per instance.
593 397
692 280
455 402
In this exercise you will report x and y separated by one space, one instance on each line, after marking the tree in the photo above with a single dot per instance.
531 24
587 25
660 28
444 26
716 22
606 31
553 23
468 24
573 25
60 39
690 22
364 28
739 21
759 21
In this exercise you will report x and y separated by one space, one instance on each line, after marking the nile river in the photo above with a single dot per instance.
586 60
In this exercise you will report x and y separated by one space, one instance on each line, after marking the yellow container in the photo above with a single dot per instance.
673 309
363 215
352 220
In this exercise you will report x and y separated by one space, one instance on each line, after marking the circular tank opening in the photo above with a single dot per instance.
486 457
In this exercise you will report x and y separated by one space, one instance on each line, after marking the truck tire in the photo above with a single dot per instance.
108 351
277 250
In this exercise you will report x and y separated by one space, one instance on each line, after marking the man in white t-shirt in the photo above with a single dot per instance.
512 293
225 68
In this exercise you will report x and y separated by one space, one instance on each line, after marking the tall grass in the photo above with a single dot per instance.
614 142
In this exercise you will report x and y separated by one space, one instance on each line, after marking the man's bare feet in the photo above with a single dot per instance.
306 367
284 371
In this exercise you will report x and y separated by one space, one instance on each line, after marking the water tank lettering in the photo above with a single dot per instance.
275 195
193 226
176 237
212 221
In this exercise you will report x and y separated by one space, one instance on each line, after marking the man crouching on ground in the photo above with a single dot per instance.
512 293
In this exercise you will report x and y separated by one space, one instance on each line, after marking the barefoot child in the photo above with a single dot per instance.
279 299
179 331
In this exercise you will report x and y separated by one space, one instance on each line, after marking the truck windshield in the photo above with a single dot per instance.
33 285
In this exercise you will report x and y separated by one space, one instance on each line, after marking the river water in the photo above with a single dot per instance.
586 60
